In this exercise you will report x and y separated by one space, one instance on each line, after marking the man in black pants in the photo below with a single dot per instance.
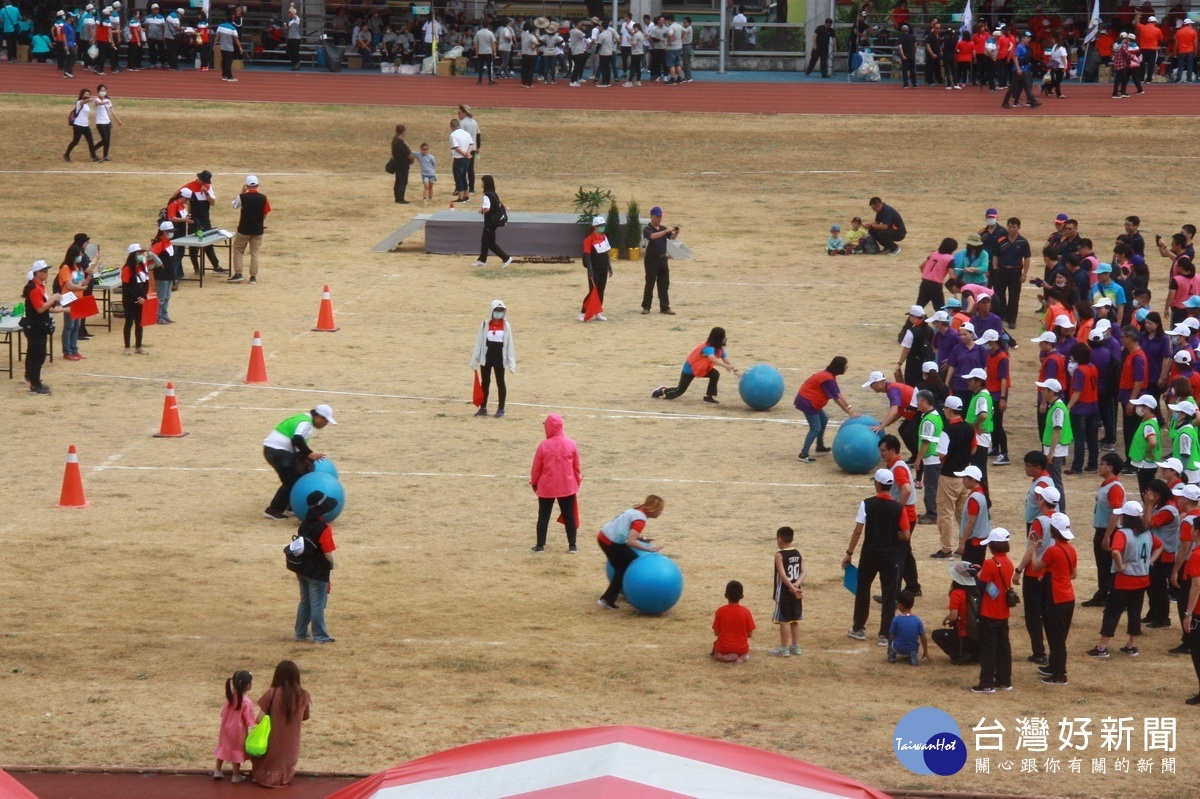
888 228
881 524
906 51
657 264
286 443
1010 267
824 43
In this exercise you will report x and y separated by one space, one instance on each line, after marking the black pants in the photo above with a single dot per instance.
227 64
10 44
625 54
930 292
818 56
206 55
606 63
293 53
1058 627
1158 593
209 252
620 556
1056 79
70 54
974 553
658 272
1086 430
1007 283
1103 565
1120 81
1149 62
933 70
578 64
134 59
985 72
105 132
400 186
964 72
1127 601
656 64
685 380
959 648
108 54
493 362
906 566
133 320
81 132
566 506
1185 587
171 55
1108 416
471 174
487 243
887 239
485 66
908 71
1033 597
157 52
284 464
999 434
597 277
635 68
995 653
35 357
872 564
527 64
908 430
1020 81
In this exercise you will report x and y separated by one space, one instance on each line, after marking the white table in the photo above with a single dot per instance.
211 238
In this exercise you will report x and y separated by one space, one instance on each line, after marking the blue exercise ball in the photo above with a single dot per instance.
869 421
325 466
327 484
637 553
653 585
761 387
856 449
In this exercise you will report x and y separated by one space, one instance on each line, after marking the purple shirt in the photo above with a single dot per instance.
1102 358
946 343
1156 349
964 360
830 387
989 322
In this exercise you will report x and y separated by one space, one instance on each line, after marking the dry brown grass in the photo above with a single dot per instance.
122 620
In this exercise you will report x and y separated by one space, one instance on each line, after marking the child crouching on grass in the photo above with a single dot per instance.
907 630
789 576
733 625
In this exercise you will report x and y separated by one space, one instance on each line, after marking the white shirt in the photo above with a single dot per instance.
981 439
83 113
506 39
461 141
102 115
739 21
1058 418
627 34
674 36
429 28
485 42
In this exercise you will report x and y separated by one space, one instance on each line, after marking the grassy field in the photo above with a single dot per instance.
123 619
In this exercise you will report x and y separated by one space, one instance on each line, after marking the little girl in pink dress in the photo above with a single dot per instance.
237 719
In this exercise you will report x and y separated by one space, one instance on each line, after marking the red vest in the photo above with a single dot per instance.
812 391
1091 382
1127 369
700 364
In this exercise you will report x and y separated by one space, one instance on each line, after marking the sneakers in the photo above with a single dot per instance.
1001 460
538 549
822 448
217 775
324 640
1041 660
601 317
1043 671
506 264
581 318
658 392
711 401
925 518
941 555
645 311
881 640
894 252
478 264
795 649
1097 652
667 311
1158 624
236 778
982 689
626 84
1094 602
780 652
805 458
234 279
500 414
1182 649
253 280
481 412
39 390
1132 651
274 514
602 602
858 634
572 550
1003 687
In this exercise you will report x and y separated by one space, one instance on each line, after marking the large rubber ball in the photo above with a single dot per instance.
761 387
856 449
325 466
867 421
327 484
637 553
653 584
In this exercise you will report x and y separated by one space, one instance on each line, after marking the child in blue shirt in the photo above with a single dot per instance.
428 163
836 245
907 630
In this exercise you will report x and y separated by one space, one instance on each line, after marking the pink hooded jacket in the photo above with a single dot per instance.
556 470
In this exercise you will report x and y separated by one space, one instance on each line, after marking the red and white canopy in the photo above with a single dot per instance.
607 763
11 789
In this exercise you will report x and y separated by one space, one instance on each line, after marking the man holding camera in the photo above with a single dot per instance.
656 262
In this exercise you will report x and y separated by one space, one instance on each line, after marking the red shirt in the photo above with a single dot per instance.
964 52
594 240
1036 536
733 625
1060 560
813 389
1086 382
1127 369
998 372
979 42
36 299
996 575
958 601
1164 516
1149 36
903 476
1193 567
1185 40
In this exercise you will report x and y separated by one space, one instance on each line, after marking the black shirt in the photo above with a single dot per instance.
254 215
1135 243
657 247
991 238
907 44
881 530
958 453
888 215
1012 253
823 36
934 44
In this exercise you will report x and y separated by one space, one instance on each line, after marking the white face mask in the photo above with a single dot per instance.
78 259
497 314
103 93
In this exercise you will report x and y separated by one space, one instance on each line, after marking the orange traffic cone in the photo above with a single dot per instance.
71 495
325 315
171 426
257 372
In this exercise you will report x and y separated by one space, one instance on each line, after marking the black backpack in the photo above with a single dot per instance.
304 557
974 598
502 216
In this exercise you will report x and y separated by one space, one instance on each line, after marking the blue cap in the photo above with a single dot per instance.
952 303
991 213
1138 260
1192 302
1142 313
836 227
1104 269
656 211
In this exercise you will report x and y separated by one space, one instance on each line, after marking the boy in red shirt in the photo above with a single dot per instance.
733 625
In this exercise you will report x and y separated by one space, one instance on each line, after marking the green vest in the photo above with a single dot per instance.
933 420
988 424
287 428
1137 448
1191 460
1067 435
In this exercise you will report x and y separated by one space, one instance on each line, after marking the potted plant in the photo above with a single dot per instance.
616 236
633 231
588 203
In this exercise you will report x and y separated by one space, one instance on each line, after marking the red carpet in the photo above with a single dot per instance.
371 88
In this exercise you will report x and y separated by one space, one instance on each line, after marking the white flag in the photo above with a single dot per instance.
1095 23
968 19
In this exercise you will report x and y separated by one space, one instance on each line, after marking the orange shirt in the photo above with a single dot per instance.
733 625
1060 561
1185 40
1149 36
996 575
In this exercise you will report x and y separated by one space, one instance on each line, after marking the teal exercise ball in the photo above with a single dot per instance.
856 449
869 421
653 585
637 553
325 466
761 387
327 484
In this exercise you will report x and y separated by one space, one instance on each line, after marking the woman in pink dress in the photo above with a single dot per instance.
287 703
237 717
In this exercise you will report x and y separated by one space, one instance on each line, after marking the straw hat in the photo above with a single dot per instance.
541 23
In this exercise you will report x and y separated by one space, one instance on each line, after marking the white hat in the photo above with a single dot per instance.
971 471
185 193
1131 508
1187 22
165 226
1047 337
976 374
1185 406
251 180
1103 302
959 572
1050 383
326 411
1183 356
1062 523
107 10
929 366
132 248
998 536
1187 491
873 378
1146 400
1102 324
1180 330
989 335
1174 464
1152 19
953 403
38 266
1192 322
967 326
1062 320
598 220
1096 334
1048 493
181 11
884 477
940 316
917 310
997 32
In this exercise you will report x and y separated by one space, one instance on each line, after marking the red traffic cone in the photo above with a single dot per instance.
71 495
325 322
171 426
257 372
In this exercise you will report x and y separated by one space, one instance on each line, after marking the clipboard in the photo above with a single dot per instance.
850 578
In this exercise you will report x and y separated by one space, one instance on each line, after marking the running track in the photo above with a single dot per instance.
802 97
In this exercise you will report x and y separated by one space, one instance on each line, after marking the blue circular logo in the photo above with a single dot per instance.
927 741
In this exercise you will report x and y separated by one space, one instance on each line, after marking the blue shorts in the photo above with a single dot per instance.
674 58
